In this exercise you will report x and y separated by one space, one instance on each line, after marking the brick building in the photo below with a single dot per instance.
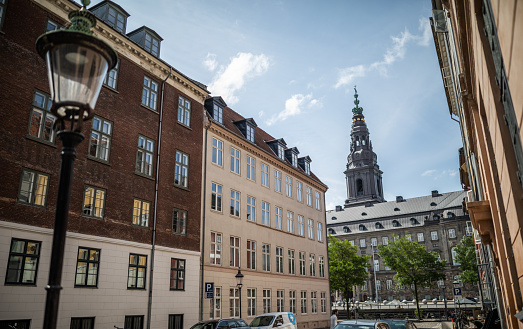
131 206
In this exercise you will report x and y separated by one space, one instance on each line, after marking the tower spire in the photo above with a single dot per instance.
357 109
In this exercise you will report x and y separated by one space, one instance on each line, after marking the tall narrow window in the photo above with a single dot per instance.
378 285
421 238
141 211
137 271
321 266
279 260
288 186
179 222
111 78
292 265
33 188
217 152
144 156
87 265
323 302
266 213
251 166
100 141
376 265
216 304
309 196
278 218
312 264
42 121
301 226
134 321
235 160
235 203
374 242
251 209
302 262
149 93
266 257
235 252
277 181
280 302
385 241
22 266
359 187
80 323
314 302
303 301
251 302
175 321
250 133
292 301
181 169
216 248
266 300
184 111
310 227
116 20
251 254
152 44
319 231
452 233
318 200
218 113
94 202
290 222
299 191
264 175
177 274
216 197
234 302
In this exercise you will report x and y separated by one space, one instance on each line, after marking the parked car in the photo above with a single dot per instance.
401 324
283 320
362 324
221 324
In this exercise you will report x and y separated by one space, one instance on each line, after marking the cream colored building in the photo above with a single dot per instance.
264 213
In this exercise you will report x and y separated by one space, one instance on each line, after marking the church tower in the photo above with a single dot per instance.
363 175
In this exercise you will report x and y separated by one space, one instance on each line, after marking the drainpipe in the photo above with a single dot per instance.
155 213
202 235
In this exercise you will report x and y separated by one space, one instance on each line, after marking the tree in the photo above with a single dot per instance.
346 268
466 257
414 265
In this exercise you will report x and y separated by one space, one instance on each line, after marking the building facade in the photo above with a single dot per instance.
478 45
264 214
133 243
437 221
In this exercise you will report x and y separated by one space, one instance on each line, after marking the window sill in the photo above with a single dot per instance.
144 176
149 108
148 228
92 217
132 288
111 88
20 284
41 141
183 125
182 187
90 157
92 287
217 211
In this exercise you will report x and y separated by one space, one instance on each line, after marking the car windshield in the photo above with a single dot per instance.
397 324
204 325
353 326
262 321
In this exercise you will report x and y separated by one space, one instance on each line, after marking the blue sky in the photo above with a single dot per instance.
292 66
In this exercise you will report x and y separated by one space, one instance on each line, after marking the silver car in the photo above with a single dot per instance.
362 324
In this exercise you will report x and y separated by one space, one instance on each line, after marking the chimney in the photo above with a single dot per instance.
435 193
399 198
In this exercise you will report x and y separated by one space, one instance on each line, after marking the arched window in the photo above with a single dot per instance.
362 227
359 187
450 214
395 223
379 226
346 229
363 142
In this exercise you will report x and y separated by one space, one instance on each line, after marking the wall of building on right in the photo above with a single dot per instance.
479 51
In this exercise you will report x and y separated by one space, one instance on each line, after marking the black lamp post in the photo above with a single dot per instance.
77 63
458 315
239 284
445 302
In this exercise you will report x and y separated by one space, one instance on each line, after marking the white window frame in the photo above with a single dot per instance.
319 231
184 111
301 256
141 211
235 258
278 221
385 240
251 254
321 266
181 169
362 243
266 213
280 300
318 200
251 209
288 186
215 254
264 174
216 304
303 301
235 204
266 257
314 302
452 233
152 44
310 228
266 301
279 259
277 181
299 191
290 222
421 237
291 261
292 301
217 152
217 197
301 226
145 156
323 301
312 265
251 302
111 78
251 168
235 160
309 196
150 93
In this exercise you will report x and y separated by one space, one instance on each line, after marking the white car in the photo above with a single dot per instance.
283 320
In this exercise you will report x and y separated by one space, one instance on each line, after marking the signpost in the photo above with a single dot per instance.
209 290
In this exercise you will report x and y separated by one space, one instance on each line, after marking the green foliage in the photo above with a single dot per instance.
414 265
418 313
466 256
346 268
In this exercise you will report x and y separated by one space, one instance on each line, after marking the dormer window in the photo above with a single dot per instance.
307 168
280 152
292 156
379 226
152 44
346 229
395 223
246 127
331 231
214 107
148 39
295 160
414 221
112 14
362 227
250 133
305 164
218 113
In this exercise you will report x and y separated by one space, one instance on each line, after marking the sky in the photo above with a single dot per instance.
292 66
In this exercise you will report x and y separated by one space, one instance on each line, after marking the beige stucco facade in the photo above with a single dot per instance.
479 47
221 268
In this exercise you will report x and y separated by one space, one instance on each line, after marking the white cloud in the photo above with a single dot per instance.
429 172
261 114
210 62
232 78
397 52
437 174
293 107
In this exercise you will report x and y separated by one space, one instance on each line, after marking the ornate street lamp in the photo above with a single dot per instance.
77 63
456 300
239 284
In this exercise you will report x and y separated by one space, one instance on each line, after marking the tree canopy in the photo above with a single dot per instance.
466 257
414 265
346 268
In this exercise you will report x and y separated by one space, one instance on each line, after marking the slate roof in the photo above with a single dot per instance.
408 208
260 137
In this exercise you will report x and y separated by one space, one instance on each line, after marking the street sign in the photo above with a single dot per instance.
457 291
209 289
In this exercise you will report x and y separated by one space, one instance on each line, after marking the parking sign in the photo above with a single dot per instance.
209 289
457 291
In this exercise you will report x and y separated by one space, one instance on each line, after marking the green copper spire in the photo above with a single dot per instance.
357 109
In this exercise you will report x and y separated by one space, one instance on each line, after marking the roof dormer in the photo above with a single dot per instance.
292 155
246 126
215 106
112 14
147 39
305 164
278 147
